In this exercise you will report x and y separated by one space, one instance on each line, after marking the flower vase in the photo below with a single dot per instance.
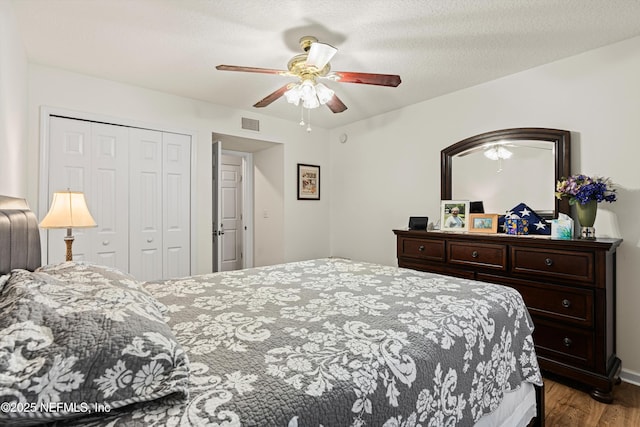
586 218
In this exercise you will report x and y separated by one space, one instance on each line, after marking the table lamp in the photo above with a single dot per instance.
68 210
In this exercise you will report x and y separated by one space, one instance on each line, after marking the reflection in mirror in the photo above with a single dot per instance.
477 171
505 167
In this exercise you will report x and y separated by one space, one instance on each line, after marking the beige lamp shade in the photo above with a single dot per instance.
68 210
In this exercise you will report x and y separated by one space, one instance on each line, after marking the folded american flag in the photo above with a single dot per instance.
537 224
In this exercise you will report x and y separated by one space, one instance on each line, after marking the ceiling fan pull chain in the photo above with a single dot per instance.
302 115
308 120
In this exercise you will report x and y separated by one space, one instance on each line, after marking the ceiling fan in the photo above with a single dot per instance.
309 67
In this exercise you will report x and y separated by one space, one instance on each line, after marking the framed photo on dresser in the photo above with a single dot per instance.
454 215
483 223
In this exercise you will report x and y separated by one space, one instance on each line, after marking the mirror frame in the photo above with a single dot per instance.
562 145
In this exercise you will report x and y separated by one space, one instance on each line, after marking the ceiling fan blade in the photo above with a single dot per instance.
336 105
320 54
271 97
367 78
250 69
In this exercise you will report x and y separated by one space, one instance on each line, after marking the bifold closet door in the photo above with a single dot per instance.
159 205
145 204
176 205
92 158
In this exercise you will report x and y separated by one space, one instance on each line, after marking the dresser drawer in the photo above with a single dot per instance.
563 303
564 344
478 254
567 265
421 248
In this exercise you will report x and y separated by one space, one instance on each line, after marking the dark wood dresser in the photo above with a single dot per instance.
569 287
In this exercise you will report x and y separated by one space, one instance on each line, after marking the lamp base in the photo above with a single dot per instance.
68 240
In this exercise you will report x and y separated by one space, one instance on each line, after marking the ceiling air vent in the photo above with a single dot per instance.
250 124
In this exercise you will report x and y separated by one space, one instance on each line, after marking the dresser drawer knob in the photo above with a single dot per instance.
567 342
421 248
548 262
474 254
566 303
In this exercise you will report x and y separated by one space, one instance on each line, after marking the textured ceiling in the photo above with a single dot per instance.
436 46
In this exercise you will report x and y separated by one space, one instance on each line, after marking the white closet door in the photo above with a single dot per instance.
109 200
92 158
145 204
69 168
137 184
176 205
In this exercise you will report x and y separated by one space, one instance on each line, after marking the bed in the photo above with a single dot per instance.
328 342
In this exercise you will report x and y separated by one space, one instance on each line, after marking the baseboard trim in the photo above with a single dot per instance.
630 377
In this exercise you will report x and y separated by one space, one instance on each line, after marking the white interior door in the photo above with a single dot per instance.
216 159
92 158
231 210
108 200
176 205
145 204
69 168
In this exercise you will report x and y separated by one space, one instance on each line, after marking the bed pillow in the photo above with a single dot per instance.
98 275
82 344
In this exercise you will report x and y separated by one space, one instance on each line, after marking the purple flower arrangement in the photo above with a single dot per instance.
582 189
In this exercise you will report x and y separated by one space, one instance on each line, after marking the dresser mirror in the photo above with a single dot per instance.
506 167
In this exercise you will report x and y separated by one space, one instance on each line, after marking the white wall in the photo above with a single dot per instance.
389 168
269 206
62 89
13 106
312 216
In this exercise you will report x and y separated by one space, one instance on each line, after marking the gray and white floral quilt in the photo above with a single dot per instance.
333 342
78 339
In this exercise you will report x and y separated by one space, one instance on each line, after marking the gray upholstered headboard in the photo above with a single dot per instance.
19 236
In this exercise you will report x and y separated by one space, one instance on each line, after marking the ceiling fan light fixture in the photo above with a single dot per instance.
324 93
308 89
310 102
294 94
310 93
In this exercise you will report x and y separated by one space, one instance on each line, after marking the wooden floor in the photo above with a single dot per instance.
568 407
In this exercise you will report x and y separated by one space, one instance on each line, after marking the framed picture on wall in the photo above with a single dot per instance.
308 182
483 223
454 215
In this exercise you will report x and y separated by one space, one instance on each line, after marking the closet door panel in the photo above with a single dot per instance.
176 205
69 168
147 263
145 204
109 201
